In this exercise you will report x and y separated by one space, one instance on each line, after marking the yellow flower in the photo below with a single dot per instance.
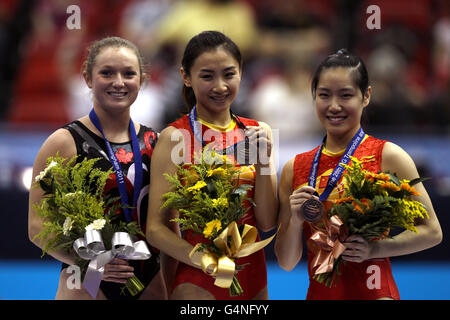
226 160
210 227
413 208
220 202
197 186
218 171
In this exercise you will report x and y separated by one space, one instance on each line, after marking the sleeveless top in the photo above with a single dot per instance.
370 279
253 277
90 146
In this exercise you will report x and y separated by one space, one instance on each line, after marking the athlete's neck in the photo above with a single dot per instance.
221 119
115 126
337 143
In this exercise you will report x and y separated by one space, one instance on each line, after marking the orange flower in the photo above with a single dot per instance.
407 187
357 207
375 176
191 178
369 176
390 185
382 176
342 200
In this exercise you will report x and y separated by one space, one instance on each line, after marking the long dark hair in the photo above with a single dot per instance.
203 42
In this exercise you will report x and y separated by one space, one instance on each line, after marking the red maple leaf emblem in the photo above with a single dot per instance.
149 138
124 156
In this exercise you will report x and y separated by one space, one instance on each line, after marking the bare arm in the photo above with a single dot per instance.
289 242
396 160
60 141
159 228
265 197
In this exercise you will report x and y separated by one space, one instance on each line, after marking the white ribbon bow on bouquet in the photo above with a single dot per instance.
91 248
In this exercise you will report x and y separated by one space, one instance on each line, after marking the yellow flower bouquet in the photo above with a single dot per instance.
210 202
373 205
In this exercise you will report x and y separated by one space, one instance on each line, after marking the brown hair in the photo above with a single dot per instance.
111 42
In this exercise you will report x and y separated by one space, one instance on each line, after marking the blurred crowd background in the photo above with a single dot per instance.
408 60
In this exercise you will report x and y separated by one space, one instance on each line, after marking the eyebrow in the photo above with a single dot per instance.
112 67
327 89
226 69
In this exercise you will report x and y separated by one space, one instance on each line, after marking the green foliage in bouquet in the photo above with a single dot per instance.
207 193
208 198
74 201
373 205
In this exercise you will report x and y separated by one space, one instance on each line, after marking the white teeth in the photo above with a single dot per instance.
221 98
336 118
117 94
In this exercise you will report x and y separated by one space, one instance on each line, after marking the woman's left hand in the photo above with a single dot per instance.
260 139
118 271
358 249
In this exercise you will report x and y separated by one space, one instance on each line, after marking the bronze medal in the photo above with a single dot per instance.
312 210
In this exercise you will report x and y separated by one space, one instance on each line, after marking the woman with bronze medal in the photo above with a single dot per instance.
312 180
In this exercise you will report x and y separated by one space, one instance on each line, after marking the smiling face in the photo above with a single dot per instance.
214 77
339 102
115 80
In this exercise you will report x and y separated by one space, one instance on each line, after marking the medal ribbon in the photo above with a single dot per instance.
337 172
196 128
118 169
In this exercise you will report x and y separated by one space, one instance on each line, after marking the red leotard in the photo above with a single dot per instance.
253 278
370 279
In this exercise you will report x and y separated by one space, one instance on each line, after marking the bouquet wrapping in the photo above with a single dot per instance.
210 202
78 217
373 204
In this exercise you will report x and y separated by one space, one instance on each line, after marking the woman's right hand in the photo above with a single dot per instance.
296 200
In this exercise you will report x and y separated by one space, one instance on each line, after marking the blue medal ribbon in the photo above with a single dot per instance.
118 169
196 128
337 172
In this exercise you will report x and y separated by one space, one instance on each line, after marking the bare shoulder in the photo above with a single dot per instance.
287 175
396 160
288 168
59 142
265 126
170 145
167 134
169 137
